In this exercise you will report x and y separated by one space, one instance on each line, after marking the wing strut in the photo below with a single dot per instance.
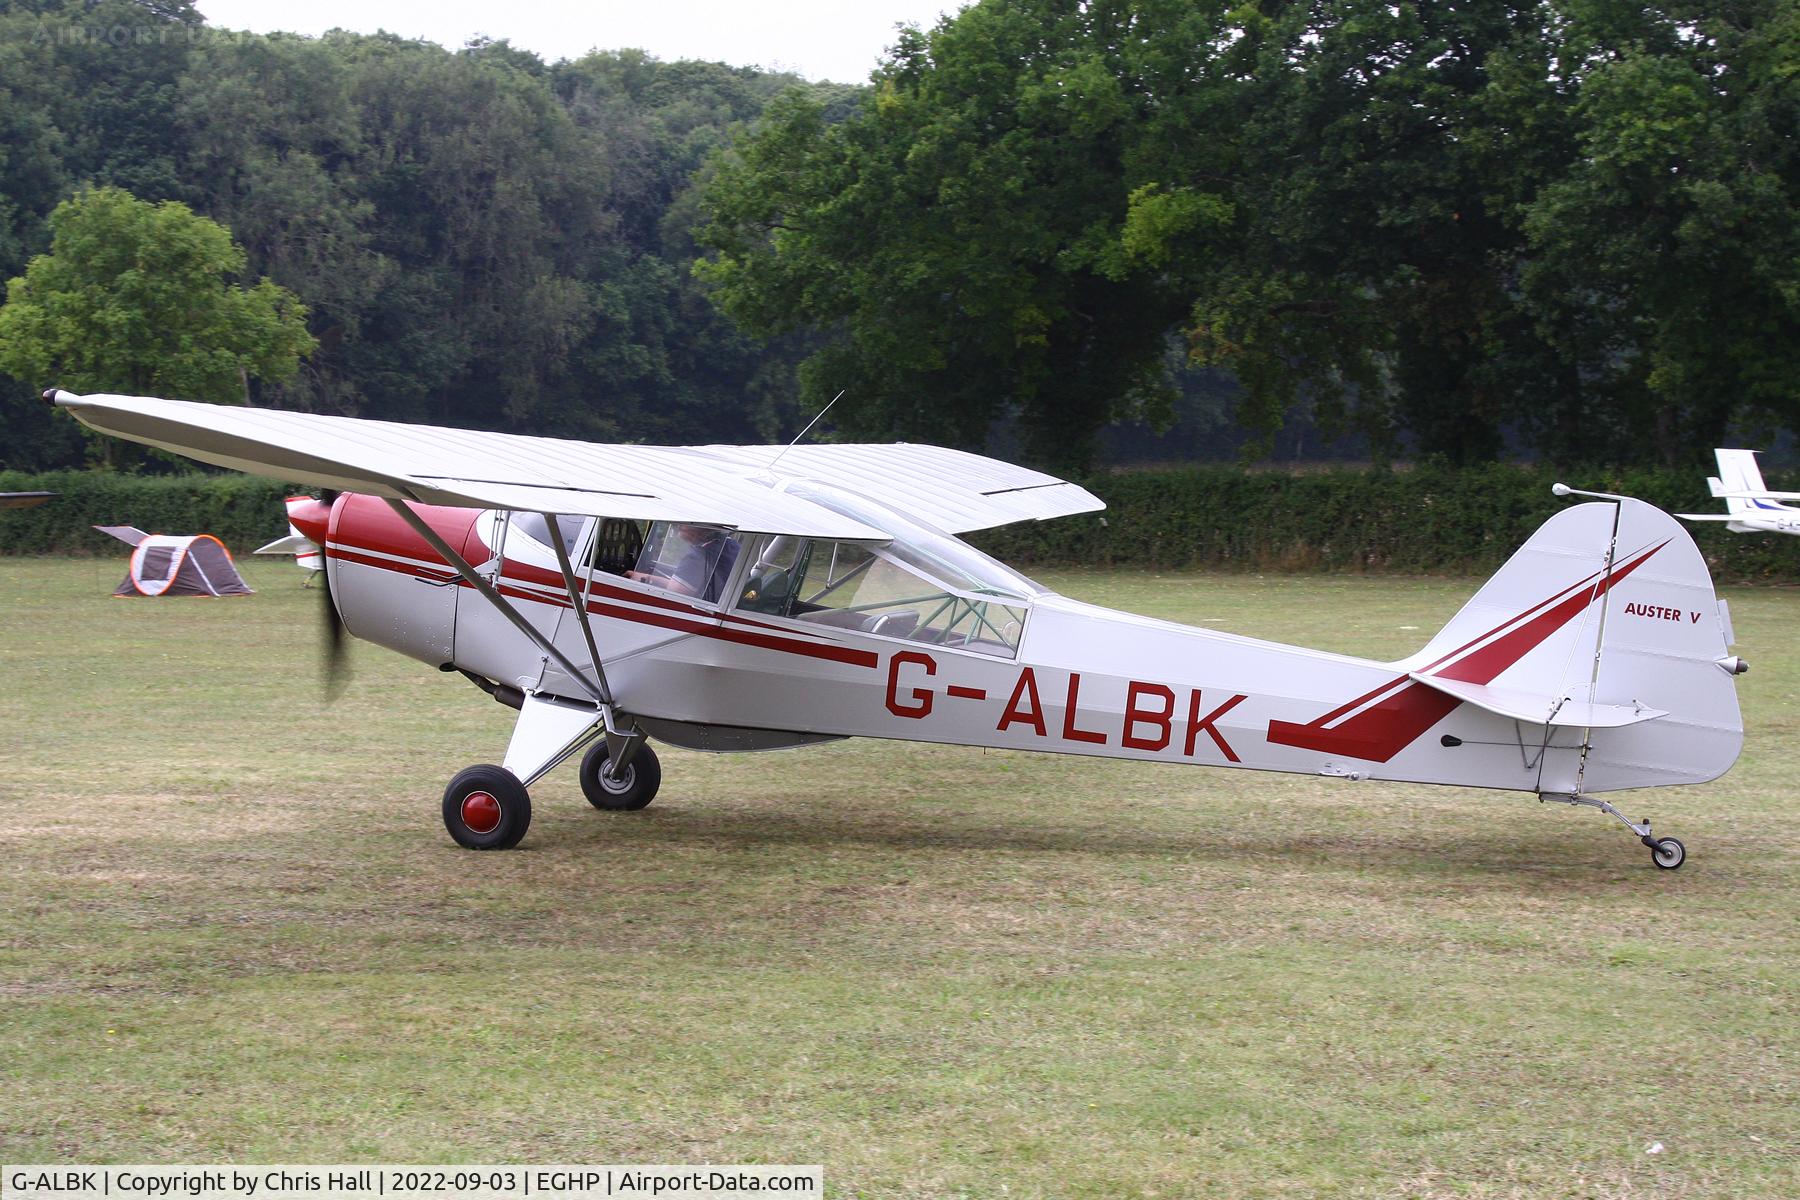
529 758
578 601
621 744
493 597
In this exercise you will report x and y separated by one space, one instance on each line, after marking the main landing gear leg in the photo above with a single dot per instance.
1667 853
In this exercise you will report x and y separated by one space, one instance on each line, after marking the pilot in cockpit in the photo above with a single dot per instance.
703 569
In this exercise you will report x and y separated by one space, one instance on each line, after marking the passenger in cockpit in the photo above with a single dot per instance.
703 570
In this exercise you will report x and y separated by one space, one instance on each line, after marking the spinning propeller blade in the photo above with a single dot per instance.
312 517
337 667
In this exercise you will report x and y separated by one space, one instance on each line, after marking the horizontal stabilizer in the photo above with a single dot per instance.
125 533
294 543
1539 709
1758 495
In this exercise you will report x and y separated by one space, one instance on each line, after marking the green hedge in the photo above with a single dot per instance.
241 511
1423 520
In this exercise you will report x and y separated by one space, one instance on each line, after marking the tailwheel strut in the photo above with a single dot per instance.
1666 852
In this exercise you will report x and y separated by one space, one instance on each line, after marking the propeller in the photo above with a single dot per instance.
312 517
337 666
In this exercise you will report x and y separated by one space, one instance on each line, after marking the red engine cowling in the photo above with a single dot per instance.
390 586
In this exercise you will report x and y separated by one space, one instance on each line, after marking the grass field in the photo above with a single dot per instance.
232 928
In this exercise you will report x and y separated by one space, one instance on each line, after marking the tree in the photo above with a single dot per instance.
1337 186
1664 261
272 145
135 298
958 234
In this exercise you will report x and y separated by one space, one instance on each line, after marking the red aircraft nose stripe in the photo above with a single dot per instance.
665 620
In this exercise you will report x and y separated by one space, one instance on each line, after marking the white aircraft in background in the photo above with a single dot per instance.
24 499
307 554
731 598
1750 507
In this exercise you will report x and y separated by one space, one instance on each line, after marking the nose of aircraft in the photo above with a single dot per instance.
310 516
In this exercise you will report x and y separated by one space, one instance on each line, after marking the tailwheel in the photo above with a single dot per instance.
633 788
487 808
1668 853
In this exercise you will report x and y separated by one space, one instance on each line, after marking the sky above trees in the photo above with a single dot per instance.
838 40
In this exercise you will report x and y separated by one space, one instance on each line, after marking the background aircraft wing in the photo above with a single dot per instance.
24 499
951 489
435 465
1725 495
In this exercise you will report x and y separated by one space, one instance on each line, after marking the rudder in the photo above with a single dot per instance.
1605 626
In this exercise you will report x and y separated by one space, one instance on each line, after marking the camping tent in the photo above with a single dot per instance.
194 565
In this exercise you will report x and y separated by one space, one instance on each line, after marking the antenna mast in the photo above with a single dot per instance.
805 431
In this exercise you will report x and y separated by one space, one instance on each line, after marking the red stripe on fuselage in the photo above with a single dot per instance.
1485 664
1379 732
683 618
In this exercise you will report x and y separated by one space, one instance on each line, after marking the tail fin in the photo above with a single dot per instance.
1739 473
1603 627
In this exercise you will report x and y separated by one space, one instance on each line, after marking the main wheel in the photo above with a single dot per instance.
487 808
1668 853
641 777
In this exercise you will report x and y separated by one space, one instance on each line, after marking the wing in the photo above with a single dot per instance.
952 489
1724 495
464 467
128 534
24 499
714 485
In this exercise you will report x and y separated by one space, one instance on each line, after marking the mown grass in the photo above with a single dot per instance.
231 928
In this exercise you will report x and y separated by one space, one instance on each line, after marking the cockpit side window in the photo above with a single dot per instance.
689 560
769 583
618 545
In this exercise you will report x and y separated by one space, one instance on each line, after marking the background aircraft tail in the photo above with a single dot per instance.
1738 472
1604 629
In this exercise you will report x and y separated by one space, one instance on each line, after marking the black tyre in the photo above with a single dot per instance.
1668 853
643 775
487 808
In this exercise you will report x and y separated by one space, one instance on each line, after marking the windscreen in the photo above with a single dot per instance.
930 551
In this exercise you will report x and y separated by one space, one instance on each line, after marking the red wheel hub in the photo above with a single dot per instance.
481 812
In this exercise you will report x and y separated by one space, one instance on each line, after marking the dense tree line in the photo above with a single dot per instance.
1454 231
479 238
1569 224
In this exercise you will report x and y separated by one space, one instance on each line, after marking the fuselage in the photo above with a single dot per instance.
1034 671
1770 518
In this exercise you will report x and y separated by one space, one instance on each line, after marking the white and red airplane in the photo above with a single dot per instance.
1750 507
752 598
